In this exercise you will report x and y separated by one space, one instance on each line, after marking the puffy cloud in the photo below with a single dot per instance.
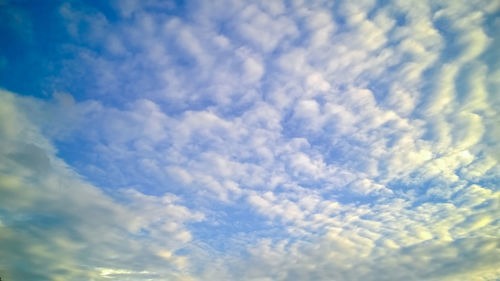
50 214
354 140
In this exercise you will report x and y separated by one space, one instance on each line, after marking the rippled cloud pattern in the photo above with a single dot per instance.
250 140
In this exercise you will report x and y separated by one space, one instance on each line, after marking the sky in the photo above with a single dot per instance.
250 140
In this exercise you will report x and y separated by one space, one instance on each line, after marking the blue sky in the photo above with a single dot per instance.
250 140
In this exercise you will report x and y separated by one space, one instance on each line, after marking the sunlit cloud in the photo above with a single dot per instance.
233 140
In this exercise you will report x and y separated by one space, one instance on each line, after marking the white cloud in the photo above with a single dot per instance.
253 70
69 216
263 30
358 142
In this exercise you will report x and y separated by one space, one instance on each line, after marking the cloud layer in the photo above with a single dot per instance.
273 140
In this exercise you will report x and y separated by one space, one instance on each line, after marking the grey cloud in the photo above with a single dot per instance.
55 225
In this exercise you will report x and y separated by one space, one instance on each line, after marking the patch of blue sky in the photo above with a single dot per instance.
227 223
31 52
348 197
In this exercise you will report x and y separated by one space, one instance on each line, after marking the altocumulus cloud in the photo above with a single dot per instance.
259 140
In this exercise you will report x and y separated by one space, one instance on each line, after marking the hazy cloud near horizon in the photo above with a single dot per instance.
233 140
